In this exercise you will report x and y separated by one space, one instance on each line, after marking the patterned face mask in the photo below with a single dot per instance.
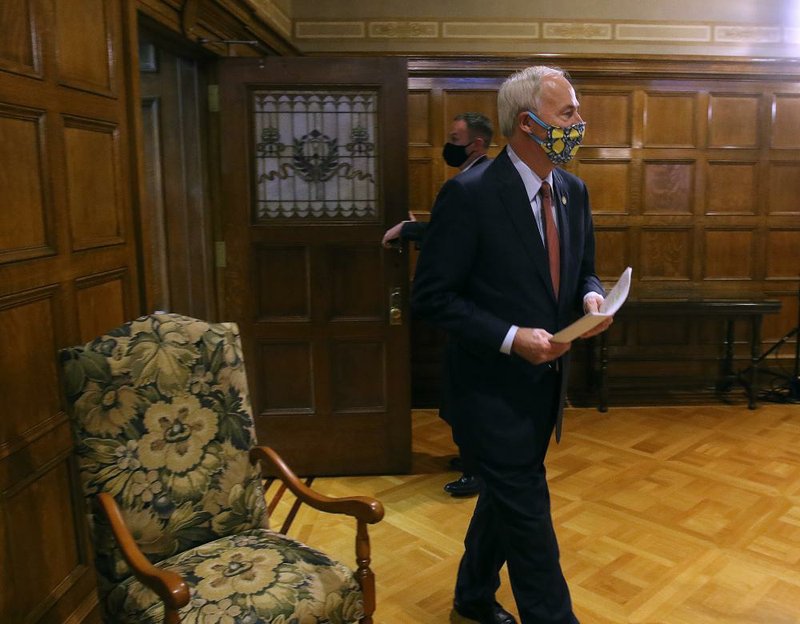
560 144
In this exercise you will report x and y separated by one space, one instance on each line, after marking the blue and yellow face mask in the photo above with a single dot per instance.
560 144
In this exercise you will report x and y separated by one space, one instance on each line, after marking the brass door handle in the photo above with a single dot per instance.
395 306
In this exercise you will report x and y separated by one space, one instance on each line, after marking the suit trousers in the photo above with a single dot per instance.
512 523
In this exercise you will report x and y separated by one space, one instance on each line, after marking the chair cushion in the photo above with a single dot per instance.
255 577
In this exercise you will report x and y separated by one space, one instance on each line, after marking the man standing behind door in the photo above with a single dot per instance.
466 148
508 260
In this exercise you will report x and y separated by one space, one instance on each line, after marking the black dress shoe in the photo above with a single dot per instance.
493 614
464 486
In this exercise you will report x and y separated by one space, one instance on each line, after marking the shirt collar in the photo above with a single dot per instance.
474 162
532 182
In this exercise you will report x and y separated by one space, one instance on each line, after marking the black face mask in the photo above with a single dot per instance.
455 155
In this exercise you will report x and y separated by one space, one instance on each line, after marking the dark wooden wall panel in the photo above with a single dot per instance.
775 326
616 245
786 122
668 187
31 509
420 186
784 187
611 181
693 169
664 254
477 100
87 41
25 229
732 188
20 49
7 596
783 253
733 121
93 184
613 117
729 254
419 131
669 120
68 271
102 303
29 385
70 195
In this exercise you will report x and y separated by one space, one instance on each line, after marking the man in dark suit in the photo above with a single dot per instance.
467 144
508 260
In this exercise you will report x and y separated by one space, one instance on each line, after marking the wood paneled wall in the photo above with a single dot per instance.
67 273
70 244
693 169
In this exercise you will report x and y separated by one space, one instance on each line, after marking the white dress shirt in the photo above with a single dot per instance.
533 184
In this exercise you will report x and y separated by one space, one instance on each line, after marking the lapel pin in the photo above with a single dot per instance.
564 200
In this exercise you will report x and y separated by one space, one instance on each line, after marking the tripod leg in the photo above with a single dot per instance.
752 391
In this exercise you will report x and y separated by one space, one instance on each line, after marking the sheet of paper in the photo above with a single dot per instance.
618 294
613 302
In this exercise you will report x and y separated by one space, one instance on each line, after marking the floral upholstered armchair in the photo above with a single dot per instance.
166 452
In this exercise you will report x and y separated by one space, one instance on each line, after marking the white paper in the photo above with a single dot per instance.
613 302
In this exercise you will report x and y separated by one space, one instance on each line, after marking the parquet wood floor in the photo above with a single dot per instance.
665 515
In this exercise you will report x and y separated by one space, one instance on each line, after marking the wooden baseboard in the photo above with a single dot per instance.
87 612
658 392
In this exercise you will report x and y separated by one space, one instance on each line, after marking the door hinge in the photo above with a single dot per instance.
220 261
213 98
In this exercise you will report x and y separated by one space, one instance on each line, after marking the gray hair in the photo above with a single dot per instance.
521 92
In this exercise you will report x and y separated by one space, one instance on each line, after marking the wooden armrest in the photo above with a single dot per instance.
169 586
363 508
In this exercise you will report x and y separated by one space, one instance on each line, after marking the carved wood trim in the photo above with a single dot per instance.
630 66
213 22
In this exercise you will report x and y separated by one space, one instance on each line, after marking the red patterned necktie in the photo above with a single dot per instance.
551 237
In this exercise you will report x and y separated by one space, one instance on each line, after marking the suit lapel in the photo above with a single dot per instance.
561 197
517 204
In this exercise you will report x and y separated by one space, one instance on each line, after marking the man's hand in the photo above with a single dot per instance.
393 233
592 303
534 345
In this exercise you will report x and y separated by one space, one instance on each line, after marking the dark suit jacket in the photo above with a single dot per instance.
482 268
415 230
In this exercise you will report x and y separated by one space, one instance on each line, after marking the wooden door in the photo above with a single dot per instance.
313 171
176 220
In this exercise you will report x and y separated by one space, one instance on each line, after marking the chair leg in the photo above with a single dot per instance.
364 575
